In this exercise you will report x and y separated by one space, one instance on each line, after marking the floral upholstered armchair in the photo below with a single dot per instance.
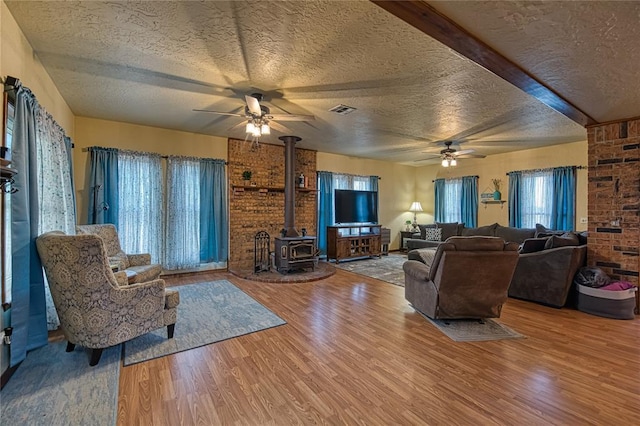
138 266
98 308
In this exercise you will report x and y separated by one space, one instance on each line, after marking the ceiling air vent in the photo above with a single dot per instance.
342 109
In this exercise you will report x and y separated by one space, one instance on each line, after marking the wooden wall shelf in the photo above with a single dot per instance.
501 202
242 188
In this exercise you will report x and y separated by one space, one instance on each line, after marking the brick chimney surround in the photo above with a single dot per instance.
259 203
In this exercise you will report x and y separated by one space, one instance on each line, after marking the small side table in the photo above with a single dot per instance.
385 240
404 236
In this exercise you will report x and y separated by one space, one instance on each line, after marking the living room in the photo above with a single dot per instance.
295 378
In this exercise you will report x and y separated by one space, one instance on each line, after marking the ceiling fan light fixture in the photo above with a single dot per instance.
445 162
256 131
251 128
265 129
453 162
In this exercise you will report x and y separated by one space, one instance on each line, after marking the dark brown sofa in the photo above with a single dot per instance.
466 277
546 276
507 233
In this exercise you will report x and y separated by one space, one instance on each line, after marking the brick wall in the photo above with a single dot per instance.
614 199
261 208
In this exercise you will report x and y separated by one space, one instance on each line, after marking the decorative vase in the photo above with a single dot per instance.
497 195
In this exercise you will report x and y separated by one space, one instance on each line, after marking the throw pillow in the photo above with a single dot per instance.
532 245
486 231
423 229
542 231
448 229
433 234
566 239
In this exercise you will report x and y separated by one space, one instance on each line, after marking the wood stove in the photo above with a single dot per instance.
295 253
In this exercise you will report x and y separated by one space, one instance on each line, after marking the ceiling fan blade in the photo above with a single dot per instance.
253 105
240 124
291 117
463 152
220 113
430 156
279 127
471 156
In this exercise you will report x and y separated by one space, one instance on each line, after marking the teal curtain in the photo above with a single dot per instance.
103 186
214 223
439 201
515 216
564 198
325 208
469 200
28 306
68 146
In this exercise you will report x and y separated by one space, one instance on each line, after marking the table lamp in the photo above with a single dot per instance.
415 208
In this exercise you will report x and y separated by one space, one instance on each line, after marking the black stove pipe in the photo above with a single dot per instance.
289 184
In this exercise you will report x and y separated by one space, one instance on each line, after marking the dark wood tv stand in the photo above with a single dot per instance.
351 241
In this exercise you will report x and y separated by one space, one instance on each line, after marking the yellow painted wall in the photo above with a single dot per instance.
113 134
496 167
396 187
18 59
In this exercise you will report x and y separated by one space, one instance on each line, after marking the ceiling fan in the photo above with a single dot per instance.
259 118
449 155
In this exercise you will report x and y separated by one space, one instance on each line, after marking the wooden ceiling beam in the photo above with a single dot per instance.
431 22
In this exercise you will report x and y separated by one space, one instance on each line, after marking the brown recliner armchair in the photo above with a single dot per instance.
467 277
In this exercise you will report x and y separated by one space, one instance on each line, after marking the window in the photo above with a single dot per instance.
536 208
456 200
6 222
182 222
452 197
140 203
545 197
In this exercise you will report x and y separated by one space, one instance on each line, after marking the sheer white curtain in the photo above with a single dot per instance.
452 197
55 189
140 203
182 242
537 205
360 183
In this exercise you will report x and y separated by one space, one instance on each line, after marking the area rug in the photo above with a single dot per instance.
467 330
208 312
53 387
387 268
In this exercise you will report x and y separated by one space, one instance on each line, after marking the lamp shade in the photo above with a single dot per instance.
415 207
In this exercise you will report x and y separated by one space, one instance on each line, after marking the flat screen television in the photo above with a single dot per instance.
353 206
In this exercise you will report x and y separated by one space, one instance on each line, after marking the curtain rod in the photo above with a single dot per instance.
475 176
162 156
547 169
347 174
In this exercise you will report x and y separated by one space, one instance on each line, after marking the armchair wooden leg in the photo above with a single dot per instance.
95 356
70 346
170 330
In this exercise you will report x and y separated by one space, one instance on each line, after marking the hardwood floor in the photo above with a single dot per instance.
354 352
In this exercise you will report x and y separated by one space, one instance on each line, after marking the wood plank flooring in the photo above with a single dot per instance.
354 352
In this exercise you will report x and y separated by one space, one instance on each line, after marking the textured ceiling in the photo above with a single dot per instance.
152 63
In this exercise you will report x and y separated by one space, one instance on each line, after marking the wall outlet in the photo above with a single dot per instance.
583 220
